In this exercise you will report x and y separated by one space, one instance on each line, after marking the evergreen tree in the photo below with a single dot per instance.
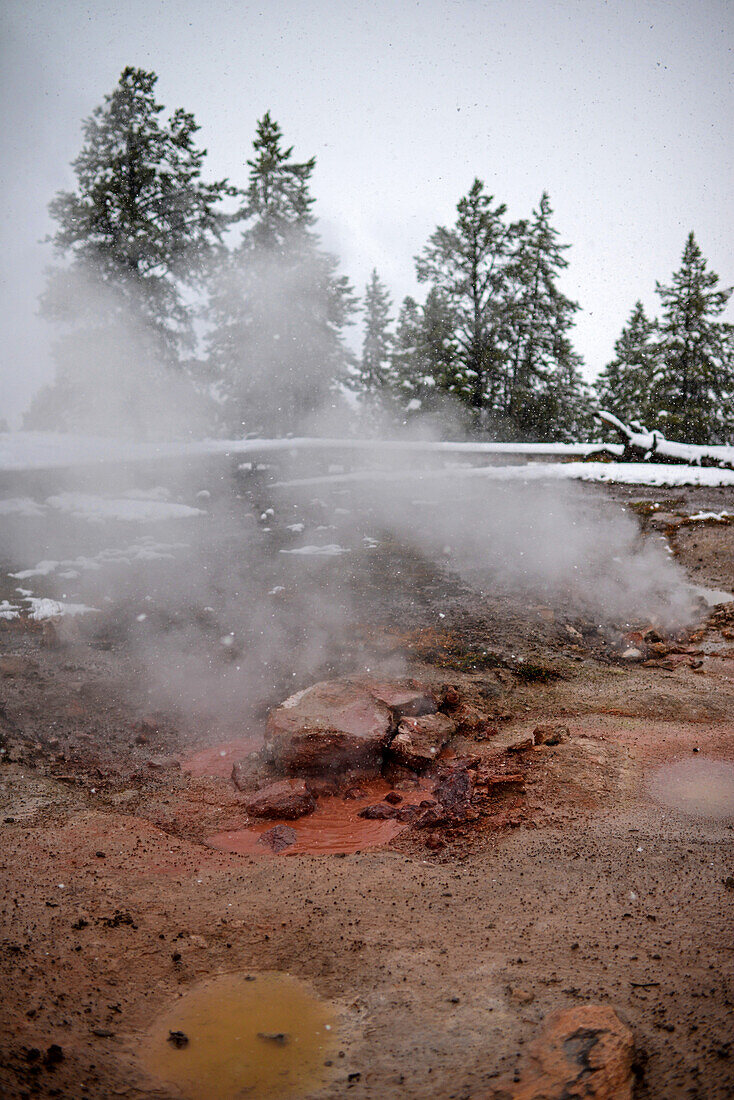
694 388
137 232
278 306
469 265
424 359
375 363
626 384
542 374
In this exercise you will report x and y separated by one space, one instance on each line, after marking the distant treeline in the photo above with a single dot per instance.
186 305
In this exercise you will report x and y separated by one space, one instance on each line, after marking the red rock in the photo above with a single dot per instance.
491 780
434 842
322 788
405 698
393 798
289 799
550 734
335 725
454 793
279 838
451 697
468 719
248 773
584 1052
379 812
354 793
521 746
409 813
419 740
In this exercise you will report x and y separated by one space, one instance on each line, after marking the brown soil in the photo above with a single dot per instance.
443 954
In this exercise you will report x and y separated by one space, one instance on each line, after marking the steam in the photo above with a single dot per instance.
114 375
227 587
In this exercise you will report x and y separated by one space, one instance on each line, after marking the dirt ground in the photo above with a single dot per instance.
443 964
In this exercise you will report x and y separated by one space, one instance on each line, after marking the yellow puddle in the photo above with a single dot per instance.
259 1039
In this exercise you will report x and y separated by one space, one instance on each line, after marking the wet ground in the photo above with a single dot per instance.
125 898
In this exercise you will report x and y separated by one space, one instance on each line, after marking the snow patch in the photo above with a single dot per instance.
331 550
43 608
97 509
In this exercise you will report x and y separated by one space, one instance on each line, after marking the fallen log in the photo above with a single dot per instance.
641 445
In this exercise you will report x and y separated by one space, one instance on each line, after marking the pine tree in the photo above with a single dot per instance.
694 388
424 360
137 233
469 265
539 319
278 305
625 386
375 362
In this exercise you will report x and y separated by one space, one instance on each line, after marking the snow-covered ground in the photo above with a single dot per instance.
56 450
624 473
47 450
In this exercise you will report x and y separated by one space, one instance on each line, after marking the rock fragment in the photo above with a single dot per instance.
453 794
551 734
405 698
279 838
380 811
419 740
288 799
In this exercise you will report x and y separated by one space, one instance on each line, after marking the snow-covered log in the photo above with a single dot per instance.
643 446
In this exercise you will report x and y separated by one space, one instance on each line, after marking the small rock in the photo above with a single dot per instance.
248 772
393 798
434 842
354 793
53 1055
289 799
521 746
468 719
163 762
632 654
454 793
486 733
178 1039
450 697
491 780
550 734
279 838
278 1037
379 812
419 740
322 788
409 813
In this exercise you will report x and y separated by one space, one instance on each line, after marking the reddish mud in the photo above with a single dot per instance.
335 827
217 760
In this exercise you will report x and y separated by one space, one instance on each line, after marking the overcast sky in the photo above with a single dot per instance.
621 110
